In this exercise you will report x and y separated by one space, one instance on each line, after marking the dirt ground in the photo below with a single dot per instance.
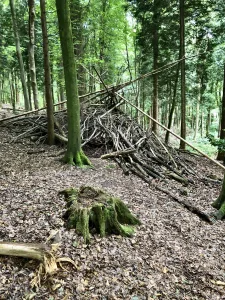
173 255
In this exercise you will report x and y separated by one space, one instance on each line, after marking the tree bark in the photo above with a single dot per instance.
31 4
183 94
221 155
31 251
197 117
74 154
155 42
19 55
208 121
173 105
48 90
219 203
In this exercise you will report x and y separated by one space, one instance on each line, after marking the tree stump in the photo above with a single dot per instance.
89 208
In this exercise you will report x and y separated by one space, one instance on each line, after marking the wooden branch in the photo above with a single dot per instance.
61 138
31 251
118 153
177 178
58 126
174 134
36 151
122 165
191 208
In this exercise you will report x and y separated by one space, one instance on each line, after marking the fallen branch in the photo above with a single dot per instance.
203 216
36 151
118 153
31 251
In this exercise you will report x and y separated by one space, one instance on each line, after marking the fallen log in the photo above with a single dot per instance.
31 251
202 215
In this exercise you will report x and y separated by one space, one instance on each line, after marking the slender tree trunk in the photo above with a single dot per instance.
29 90
155 41
16 88
31 4
202 123
19 55
173 105
13 95
196 119
102 45
221 155
208 121
74 154
183 94
48 91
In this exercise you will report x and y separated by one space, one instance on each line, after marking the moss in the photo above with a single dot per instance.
78 159
127 230
221 212
123 213
217 203
99 218
89 207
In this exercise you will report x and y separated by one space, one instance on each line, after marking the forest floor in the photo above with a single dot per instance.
173 255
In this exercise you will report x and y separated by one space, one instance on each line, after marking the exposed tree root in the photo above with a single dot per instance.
78 159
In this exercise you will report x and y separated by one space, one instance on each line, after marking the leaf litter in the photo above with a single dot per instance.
173 255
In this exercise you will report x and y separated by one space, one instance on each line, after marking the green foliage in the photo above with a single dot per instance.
219 143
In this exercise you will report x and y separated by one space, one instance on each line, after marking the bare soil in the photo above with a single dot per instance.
173 255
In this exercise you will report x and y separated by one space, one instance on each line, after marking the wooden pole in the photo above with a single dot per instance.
174 134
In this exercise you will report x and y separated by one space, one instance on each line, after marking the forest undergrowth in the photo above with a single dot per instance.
173 255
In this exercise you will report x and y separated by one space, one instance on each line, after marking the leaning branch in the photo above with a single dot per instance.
174 134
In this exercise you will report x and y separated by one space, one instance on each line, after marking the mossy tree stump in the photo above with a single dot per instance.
219 203
89 208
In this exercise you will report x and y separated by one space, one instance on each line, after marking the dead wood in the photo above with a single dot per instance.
118 153
36 151
202 215
31 251
176 135
136 151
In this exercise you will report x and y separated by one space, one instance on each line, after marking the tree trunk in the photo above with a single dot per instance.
197 118
29 90
208 121
219 203
173 103
74 154
221 154
155 41
31 4
183 94
48 91
19 55
102 44
13 93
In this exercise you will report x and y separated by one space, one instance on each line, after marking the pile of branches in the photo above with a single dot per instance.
135 150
